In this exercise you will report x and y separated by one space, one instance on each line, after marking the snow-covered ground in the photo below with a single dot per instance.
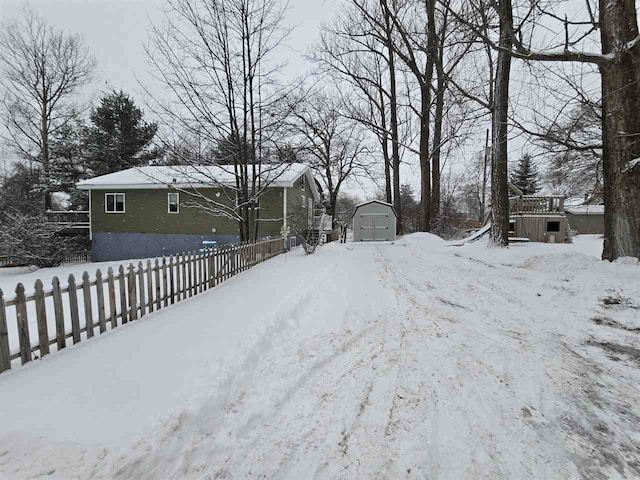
407 360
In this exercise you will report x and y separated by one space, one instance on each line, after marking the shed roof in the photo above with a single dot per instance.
586 210
196 176
374 201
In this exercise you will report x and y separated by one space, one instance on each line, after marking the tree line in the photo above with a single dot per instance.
395 84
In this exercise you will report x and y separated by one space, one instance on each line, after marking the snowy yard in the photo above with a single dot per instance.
407 360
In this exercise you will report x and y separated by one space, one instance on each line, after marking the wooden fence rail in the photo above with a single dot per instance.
131 293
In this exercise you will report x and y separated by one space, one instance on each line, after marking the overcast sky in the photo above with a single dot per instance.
116 31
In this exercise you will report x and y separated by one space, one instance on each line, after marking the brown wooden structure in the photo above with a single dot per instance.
539 218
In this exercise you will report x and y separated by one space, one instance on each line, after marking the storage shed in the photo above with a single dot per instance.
374 221
586 219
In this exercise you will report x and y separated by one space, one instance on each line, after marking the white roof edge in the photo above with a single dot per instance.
160 186
90 184
374 201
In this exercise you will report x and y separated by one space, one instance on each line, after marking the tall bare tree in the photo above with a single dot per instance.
358 48
41 68
334 145
619 64
216 58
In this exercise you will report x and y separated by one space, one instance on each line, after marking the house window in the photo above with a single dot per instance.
512 226
173 202
302 183
553 226
304 201
114 202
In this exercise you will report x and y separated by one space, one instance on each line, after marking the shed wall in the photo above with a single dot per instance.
586 223
535 227
367 218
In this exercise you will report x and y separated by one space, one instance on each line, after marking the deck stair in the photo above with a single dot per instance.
315 235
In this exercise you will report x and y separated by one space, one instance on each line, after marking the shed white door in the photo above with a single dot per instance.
375 226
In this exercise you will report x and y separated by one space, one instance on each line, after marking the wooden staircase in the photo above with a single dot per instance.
315 235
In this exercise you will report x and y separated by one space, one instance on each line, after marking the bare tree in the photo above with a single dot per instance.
358 48
619 64
41 68
216 58
499 120
334 145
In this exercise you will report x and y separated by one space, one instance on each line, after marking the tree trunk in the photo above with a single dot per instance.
499 165
621 130
385 147
435 155
395 143
483 198
44 134
436 51
425 164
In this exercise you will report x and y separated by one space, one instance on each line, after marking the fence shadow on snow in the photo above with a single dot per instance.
75 311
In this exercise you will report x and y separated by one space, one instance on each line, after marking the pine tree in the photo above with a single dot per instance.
526 176
118 138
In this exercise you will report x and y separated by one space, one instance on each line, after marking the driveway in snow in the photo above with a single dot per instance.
406 360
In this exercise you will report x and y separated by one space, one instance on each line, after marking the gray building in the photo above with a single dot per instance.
374 221
586 219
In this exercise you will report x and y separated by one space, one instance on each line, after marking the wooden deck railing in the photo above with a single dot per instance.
106 302
532 204
69 219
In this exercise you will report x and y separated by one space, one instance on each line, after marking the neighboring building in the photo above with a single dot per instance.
586 219
374 221
152 211
538 219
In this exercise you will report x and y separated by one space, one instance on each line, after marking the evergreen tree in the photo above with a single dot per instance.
118 138
526 176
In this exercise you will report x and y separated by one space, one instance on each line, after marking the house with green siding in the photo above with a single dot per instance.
152 211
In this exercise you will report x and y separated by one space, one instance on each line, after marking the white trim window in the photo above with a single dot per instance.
304 201
173 202
302 183
114 203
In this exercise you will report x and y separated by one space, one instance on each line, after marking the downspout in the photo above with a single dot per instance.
284 209
90 219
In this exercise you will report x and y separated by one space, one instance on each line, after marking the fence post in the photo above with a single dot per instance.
165 289
86 300
150 285
172 279
178 279
183 270
113 309
189 280
100 294
123 294
141 292
203 273
41 317
5 356
59 313
156 270
196 273
23 325
73 308
133 303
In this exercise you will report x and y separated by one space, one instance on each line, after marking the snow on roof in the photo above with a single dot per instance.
374 201
193 176
586 210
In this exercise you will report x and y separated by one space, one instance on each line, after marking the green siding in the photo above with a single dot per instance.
271 212
146 211
294 197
